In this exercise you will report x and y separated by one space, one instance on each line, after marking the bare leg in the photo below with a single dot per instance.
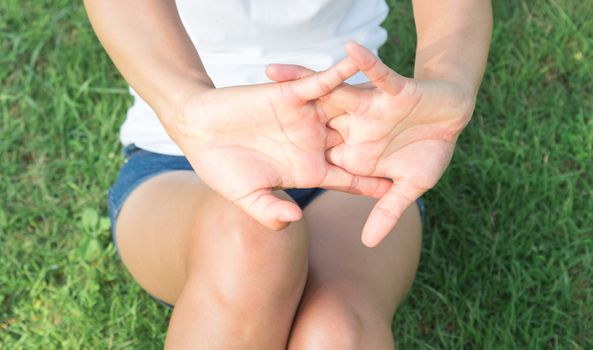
234 283
352 291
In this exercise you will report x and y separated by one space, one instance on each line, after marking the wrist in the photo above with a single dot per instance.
172 111
460 90
451 73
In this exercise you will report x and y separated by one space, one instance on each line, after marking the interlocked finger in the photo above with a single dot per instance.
339 179
345 97
319 84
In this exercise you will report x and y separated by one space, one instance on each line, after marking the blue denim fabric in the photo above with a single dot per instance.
141 165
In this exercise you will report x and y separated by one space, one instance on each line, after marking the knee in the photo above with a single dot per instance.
337 328
255 267
333 320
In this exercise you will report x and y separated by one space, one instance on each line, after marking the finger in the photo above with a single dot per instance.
344 98
341 125
387 212
335 156
287 72
378 73
360 159
333 138
350 98
328 112
339 179
319 84
268 209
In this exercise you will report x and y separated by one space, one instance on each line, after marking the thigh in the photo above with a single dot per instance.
174 225
337 254
348 281
153 231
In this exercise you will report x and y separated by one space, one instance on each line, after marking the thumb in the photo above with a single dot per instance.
378 72
269 210
387 212
287 72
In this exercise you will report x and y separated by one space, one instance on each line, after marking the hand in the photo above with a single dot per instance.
401 128
246 141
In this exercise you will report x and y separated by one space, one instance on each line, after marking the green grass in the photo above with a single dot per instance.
507 259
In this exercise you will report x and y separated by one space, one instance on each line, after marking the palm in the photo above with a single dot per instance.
246 141
402 129
408 137
384 134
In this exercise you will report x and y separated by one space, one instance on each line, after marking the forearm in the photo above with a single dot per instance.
453 41
149 45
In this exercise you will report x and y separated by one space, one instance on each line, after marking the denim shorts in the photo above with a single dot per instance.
141 165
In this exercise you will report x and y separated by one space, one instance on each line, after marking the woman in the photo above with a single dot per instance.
198 215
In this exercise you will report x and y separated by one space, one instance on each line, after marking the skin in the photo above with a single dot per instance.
280 142
237 275
406 129
274 132
400 128
236 284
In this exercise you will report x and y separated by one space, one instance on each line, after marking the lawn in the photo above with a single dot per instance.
507 258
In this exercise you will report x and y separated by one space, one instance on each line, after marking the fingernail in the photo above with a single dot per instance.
284 219
288 217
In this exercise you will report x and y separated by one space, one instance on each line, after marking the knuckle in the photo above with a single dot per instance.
388 212
341 75
355 185
323 86
370 62
383 76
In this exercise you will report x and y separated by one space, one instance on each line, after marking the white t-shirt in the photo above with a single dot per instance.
237 39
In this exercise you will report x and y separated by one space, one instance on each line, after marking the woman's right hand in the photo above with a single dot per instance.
246 141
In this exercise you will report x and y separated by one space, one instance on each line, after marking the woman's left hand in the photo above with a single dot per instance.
400 128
